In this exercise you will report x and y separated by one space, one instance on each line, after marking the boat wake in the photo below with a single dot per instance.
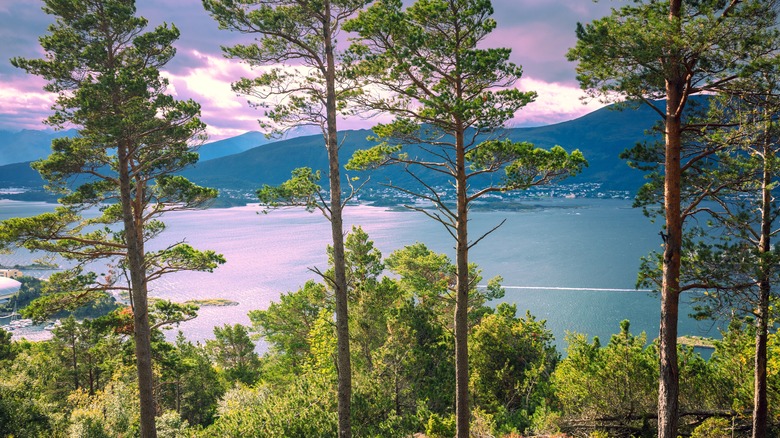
594 289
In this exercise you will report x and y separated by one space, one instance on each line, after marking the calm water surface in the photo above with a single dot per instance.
572 262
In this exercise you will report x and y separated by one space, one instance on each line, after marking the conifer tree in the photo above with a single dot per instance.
736 265
450 97
311 89
661 52
132 138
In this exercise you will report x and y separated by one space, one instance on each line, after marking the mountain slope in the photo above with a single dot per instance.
271 163
232 145
600 135
28 145
19 175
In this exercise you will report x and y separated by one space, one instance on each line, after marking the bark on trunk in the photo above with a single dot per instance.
668 381
760 403
75 363
131 217
337 231
462 412
760 406
668 385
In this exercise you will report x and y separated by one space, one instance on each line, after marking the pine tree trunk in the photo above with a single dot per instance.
760 403
74 361
668 385
337 232
462 412
760 406
138 289
143 347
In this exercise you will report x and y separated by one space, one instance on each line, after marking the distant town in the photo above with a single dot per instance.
388 196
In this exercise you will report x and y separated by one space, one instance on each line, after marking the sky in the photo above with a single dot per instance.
539 32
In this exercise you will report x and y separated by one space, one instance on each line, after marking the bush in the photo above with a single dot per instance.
713 428
440 427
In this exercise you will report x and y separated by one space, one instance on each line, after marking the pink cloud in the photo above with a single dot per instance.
555 103
539 31
25 104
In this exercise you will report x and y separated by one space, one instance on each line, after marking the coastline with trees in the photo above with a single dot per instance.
422 351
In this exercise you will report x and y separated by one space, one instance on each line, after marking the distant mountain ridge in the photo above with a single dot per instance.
248 161
28 144
232 145
600 135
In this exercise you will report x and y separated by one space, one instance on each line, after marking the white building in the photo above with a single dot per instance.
8 288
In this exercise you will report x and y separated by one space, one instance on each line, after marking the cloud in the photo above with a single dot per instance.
555 103
24 103
225 113
21 22
539 32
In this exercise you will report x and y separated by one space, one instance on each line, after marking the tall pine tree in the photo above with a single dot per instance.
662 52
450 98
311 89
132 139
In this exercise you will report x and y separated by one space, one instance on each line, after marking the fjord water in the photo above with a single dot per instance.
572 262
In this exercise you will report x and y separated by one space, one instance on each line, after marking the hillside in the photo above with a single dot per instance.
246 162
27 144
600 135
232 145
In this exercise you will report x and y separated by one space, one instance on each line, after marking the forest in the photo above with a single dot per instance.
410 343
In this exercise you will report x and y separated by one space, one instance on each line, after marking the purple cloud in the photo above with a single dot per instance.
538 31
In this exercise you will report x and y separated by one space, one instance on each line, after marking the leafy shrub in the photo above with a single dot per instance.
713 428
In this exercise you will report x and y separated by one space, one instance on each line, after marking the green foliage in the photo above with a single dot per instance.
322 338
373 408
20 413
643 33
512 360
373 157
733 360
111 412
171 425
545 421
617 381
29 290
432 278
524 165
6 347
234 353
285 325
302 189
440 427
164 313
370 298
713 428
190 383
306 407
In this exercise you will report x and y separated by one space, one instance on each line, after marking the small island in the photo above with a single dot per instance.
213 302
33 266
696 341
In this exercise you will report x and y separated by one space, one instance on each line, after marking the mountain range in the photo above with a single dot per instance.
247 161
28 144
